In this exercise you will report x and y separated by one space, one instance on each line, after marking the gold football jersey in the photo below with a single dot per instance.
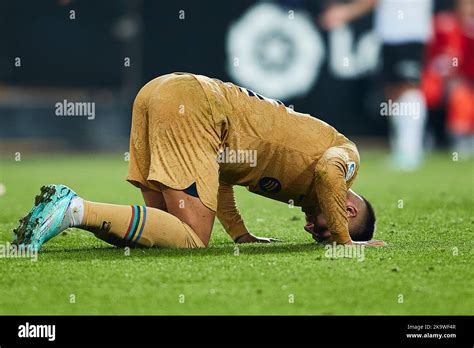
281 154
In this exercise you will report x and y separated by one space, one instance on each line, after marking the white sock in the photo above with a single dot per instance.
74 214
407 143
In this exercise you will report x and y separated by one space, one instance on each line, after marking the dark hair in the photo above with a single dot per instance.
365 231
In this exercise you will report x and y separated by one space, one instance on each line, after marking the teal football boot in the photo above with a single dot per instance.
45 220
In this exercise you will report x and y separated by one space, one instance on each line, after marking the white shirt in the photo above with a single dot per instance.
403 21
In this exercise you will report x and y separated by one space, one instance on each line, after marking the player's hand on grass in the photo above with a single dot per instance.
250 238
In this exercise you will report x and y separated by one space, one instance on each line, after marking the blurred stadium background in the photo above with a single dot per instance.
103 52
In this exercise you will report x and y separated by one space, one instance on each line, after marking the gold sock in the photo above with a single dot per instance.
126 225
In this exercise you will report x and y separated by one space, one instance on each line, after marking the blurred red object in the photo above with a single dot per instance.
448 75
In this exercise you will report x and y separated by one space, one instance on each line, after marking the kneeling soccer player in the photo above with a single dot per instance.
192 139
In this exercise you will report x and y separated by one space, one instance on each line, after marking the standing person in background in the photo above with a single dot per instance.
404 28
448 75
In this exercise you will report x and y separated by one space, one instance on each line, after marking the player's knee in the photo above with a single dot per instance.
197 238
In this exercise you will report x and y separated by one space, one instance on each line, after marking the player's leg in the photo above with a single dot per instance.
153 199
194 218
137 226
58 208
191 211
408 128
402 76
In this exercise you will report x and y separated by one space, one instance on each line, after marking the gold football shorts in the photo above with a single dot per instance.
174 139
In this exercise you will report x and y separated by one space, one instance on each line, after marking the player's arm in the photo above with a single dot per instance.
340 14
230 217
331 191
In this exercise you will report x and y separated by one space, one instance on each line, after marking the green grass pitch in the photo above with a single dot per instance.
426 268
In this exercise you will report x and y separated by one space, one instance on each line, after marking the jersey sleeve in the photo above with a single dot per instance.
227 212
335 172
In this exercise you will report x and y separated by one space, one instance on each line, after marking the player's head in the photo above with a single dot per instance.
360 215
